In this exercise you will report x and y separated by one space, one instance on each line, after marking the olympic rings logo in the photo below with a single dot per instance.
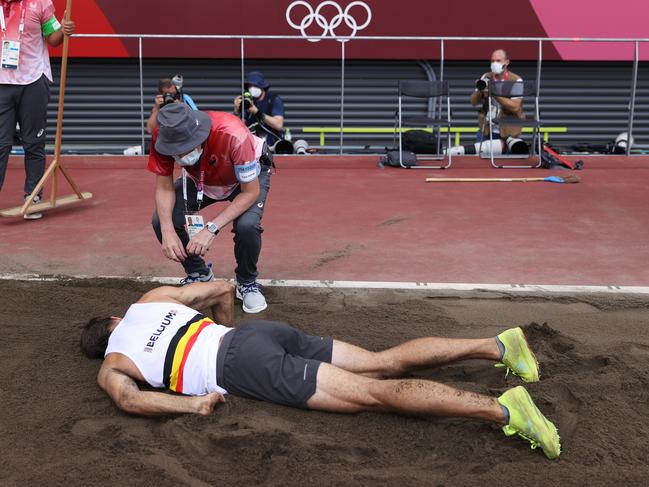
328 26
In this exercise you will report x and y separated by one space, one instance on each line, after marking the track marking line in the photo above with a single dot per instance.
425 286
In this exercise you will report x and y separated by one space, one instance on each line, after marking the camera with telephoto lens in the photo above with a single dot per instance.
169 98
481 85
177 80
247 100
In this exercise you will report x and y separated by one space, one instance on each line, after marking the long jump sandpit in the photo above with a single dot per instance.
58 428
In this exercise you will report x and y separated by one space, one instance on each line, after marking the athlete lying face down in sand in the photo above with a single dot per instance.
163 341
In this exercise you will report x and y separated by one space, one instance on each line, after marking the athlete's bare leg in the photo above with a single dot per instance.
341 391
413 355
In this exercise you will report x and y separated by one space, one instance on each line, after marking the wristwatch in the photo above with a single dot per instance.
213 228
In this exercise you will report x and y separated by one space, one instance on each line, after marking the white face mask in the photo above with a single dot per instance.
497 68
255 92
189 159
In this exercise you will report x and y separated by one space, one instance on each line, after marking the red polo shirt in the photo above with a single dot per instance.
230 156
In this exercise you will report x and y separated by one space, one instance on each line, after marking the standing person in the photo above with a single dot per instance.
25 77
221 161
264 110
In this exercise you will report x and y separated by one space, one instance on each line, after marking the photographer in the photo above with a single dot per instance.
264 111
500 106
169 91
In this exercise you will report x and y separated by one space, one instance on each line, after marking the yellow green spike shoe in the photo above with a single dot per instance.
518 358
526 421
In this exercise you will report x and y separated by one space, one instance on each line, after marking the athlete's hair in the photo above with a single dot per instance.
94 337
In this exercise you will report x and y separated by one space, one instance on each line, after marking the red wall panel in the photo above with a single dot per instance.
492 18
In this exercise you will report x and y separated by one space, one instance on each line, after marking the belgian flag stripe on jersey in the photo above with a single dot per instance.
179 349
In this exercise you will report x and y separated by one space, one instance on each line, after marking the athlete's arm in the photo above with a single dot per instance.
123 390
217 295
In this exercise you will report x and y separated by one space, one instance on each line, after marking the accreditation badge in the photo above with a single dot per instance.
10 54
193 224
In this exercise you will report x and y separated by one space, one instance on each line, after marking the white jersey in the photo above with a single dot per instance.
173 346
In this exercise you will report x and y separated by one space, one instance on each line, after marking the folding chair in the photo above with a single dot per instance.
514 89
425 89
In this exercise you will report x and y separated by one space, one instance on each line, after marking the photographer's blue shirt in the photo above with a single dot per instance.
189 102
277 108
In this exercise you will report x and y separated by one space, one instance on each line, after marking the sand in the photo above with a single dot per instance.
58 428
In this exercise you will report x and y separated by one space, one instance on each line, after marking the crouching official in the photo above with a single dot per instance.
221 161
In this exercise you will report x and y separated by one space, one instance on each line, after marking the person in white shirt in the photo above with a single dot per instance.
164 341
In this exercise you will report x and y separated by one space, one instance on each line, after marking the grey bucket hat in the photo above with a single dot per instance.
181 129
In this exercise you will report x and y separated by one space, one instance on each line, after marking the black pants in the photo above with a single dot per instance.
27 105
246 228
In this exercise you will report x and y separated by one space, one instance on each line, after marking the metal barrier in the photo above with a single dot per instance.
343 40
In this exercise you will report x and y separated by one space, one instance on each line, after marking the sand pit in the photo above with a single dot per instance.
58 428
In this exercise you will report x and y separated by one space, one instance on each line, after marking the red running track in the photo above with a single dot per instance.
330 218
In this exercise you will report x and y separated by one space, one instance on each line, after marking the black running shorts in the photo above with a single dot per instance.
272 362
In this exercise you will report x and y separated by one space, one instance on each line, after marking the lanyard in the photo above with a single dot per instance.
21 26
199 186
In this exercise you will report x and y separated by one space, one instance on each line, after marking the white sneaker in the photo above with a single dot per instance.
198 277
35 215
253 300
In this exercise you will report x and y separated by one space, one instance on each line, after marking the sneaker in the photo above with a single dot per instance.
518 358
253 300
526 421
198 276
35 215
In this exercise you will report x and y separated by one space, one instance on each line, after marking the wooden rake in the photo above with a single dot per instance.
568 179
55 165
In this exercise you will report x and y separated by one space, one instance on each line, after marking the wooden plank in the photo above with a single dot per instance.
482 180
46 205
390 130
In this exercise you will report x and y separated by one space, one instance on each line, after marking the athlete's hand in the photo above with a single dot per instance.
200 244
205 404
172 247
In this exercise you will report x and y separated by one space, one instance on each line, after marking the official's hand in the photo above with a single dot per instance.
68 25
205 404
200 244
172 247
159 100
